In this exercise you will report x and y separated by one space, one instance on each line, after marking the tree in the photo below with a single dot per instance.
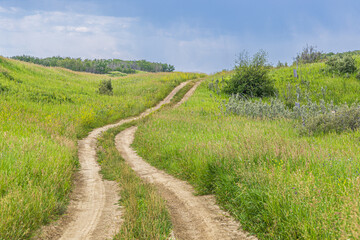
251 77
309 55
101 66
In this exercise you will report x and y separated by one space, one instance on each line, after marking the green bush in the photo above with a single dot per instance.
105 87
251 77
358 75
341 65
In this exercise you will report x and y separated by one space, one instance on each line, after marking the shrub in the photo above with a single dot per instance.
358 75
257 109
251 77
309 55
341 65
344 119
313 117
105 87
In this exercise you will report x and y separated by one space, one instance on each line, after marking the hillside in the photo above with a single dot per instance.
279 180
43 111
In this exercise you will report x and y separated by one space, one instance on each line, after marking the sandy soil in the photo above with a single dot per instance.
93 212
193 217
188 94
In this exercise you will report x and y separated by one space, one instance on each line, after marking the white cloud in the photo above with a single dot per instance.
10 10
67 34
184 45
72 29
46 34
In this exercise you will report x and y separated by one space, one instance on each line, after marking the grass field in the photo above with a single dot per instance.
278 183
43 111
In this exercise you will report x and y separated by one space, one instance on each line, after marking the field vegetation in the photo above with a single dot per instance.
281 177
145 214
43 111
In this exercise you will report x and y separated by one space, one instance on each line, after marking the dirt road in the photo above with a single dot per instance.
193 217
93 212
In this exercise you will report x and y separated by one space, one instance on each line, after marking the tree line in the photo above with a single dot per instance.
101 66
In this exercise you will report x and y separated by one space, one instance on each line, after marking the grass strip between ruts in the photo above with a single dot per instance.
145 214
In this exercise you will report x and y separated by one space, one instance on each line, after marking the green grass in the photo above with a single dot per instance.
117 74
277 183
145 213
312 79
180 94
43 111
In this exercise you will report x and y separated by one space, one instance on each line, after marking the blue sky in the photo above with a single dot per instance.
193 35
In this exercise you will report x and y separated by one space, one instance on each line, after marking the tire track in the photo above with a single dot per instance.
193 217
93 212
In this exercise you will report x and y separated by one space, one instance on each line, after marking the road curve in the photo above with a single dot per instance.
193 217
93 212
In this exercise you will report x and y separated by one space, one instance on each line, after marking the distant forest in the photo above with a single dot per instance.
101 66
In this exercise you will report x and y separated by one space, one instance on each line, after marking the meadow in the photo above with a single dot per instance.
43 111
278 182
317 83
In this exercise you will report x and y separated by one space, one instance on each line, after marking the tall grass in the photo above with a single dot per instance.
278 183
145 214
316 81
43 111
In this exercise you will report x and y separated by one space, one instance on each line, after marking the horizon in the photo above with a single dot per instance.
196 36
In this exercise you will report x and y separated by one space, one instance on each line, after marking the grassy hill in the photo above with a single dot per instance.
43 111
278 182
317 82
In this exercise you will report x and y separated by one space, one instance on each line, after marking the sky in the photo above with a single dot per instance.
192 35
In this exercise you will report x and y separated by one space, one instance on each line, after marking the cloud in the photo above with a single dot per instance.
10 10
71 34
66 34
187 45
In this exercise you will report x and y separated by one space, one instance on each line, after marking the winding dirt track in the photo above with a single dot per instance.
193 217
93 212
188 94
